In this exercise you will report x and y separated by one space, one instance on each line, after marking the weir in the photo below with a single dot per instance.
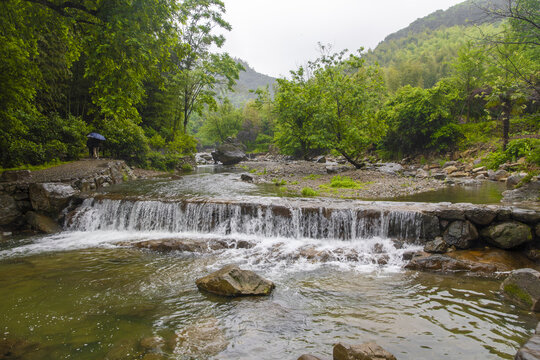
288 219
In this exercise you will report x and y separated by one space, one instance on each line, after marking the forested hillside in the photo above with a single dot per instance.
467 13
420 54
249 81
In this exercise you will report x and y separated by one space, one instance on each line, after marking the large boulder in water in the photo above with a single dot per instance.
233 281
523 287
366 351
51 198
8 210
229 153
508 234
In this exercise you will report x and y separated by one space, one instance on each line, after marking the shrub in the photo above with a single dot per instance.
307 191
187 167
446 137
518 148
125 140
43 139
418 119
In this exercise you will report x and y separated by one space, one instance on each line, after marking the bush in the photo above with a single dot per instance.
516 149
446 137
418 119
125 140
307 191
43 139
187 167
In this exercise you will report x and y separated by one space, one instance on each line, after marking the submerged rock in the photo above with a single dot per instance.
189 245
233 281
17 348
201 340
366 351
523 287
531 349
485 262
446 263
438 246
308 357
508 234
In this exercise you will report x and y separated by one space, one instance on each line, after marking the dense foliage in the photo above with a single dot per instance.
148 77
129 70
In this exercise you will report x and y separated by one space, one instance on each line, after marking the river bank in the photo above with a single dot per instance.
36 200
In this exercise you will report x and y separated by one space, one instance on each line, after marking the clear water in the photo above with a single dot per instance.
86 294
485 192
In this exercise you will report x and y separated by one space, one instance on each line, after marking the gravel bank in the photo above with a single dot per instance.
374 184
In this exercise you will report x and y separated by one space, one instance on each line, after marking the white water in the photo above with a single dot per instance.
245 219
283 240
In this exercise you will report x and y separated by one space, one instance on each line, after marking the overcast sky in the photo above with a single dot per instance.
275 36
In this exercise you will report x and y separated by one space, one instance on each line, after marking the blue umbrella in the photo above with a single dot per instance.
96 136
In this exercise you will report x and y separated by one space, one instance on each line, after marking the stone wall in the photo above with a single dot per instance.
26 205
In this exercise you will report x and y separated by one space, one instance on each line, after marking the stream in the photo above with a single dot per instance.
85 293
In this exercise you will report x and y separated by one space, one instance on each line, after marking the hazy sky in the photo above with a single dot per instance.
275 36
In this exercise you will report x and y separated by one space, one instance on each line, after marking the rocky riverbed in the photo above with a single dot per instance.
372 183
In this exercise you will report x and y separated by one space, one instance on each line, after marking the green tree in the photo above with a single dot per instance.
197 73
419 120
220 124
296 104
349 96
469 75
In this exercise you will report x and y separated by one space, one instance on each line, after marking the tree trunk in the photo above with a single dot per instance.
355 163
507 109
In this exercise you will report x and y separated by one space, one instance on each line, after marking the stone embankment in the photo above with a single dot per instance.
35 200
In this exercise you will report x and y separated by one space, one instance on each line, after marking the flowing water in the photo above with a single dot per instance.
86 294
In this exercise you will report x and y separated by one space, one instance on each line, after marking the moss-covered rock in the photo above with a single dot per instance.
508 234
523 288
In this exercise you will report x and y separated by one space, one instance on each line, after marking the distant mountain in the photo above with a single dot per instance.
468 13
421 53
249 80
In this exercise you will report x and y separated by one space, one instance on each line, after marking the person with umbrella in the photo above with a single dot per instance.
93 143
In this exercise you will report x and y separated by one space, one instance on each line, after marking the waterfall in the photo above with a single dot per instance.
250 218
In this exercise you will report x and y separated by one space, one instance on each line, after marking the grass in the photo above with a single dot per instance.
279 182
312 177
344 182
307 191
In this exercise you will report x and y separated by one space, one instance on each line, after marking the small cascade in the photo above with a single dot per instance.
311 221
